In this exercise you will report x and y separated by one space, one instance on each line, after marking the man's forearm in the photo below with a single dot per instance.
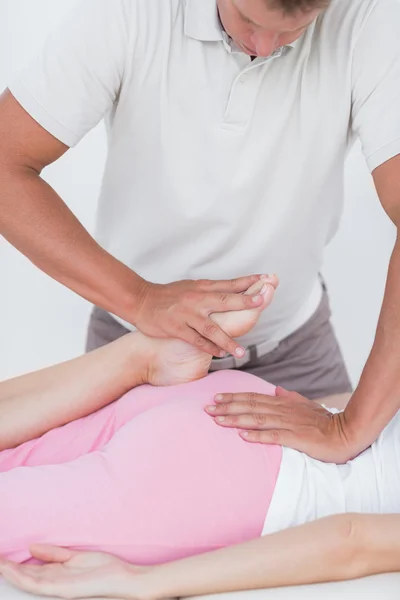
330 549
32 404
377 397
38 223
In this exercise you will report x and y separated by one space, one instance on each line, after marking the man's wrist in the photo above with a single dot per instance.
129 297
358 433
112 286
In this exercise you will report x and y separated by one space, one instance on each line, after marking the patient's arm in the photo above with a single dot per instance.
334 548
32 404
330 549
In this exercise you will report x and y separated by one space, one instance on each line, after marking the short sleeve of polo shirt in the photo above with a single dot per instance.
74 81
376 83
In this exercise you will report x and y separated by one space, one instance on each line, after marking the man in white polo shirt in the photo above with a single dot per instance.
228 124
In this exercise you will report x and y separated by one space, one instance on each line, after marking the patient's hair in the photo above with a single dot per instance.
290 7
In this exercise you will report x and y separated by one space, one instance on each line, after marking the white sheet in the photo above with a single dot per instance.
370 588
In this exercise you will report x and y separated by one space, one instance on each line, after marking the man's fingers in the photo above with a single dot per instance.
219 303
232 286
261 421
193 337
250 398
211 332
243 281
290 394
241 407
280 437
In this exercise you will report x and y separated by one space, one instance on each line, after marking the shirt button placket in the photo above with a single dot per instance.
241 99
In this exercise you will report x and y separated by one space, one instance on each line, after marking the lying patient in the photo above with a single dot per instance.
151 478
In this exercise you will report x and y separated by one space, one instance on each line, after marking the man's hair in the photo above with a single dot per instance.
290 7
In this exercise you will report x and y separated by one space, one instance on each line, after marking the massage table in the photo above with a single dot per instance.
385 587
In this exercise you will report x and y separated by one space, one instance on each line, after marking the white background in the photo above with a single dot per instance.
41 322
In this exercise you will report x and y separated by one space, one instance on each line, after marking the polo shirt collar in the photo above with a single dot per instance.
202 22
294 44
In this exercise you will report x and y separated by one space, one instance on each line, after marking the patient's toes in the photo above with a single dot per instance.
258 285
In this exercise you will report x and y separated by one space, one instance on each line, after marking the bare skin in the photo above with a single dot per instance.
259 29
47 232
331 549
182 362
335 548
32 404
297 422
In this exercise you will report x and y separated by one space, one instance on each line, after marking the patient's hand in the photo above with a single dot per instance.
71 574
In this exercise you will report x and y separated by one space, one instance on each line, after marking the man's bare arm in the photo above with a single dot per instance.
35 220
376 398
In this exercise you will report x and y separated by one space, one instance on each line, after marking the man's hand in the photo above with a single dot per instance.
182 310
287 419
71 574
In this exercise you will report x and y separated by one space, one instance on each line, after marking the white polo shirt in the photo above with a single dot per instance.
219 166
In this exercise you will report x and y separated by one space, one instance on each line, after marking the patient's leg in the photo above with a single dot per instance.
174 361
179 362
84 435
169 484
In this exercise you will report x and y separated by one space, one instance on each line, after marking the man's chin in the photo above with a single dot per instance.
247 50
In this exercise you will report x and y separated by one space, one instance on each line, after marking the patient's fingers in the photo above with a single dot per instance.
22 576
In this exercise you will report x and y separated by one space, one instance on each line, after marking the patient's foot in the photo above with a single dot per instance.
175 361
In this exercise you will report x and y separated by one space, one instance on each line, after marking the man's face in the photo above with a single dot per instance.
259 30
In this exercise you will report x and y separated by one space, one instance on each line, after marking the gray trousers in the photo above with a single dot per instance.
308 361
